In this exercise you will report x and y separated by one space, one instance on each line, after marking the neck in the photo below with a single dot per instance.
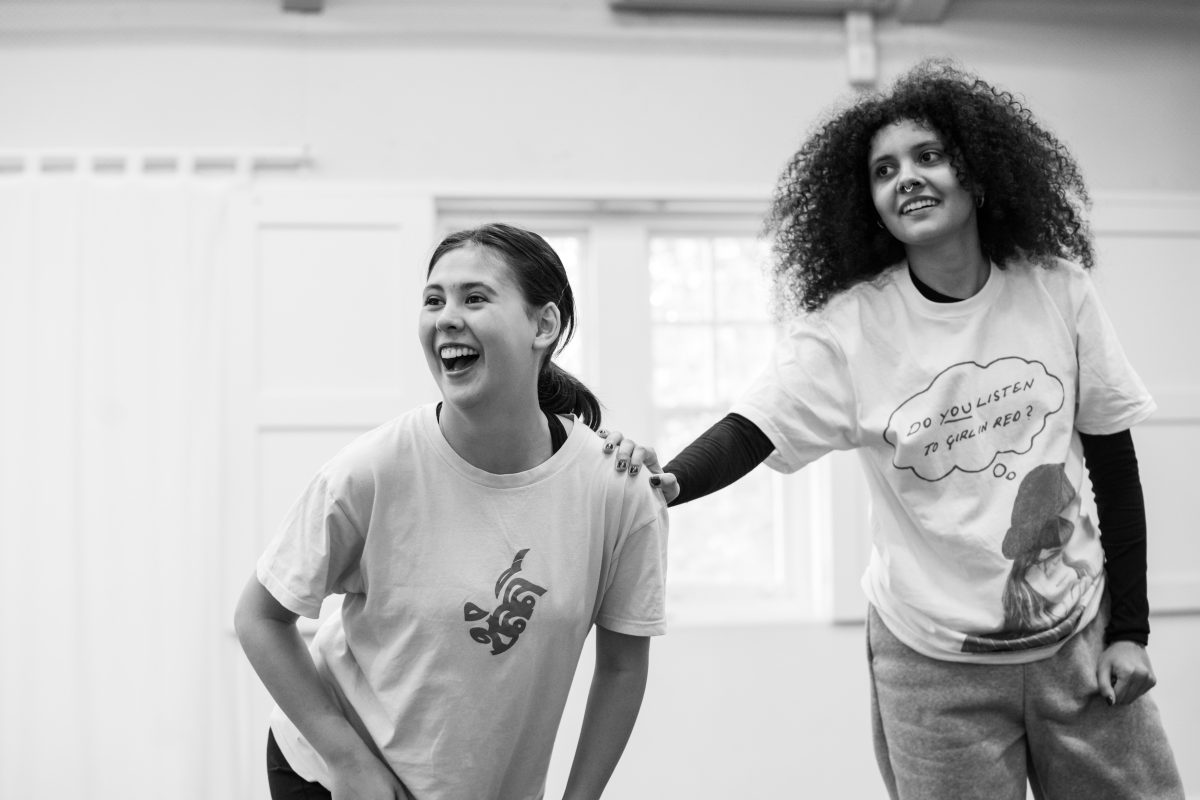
958 272
500 441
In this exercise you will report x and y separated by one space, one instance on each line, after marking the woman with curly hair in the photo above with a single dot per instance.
932 253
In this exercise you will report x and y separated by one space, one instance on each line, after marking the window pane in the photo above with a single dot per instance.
570 249
738 278
684 357
741 353
681 286
727 537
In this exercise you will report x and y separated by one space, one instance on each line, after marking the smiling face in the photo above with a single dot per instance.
481 341
915 189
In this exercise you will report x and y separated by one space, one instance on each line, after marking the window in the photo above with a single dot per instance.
674 326
569 247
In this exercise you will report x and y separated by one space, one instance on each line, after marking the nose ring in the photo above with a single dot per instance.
906 188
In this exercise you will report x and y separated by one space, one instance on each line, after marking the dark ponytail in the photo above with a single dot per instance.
540 274
560 392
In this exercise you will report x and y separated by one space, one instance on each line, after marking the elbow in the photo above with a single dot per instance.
248 614
258 614
242 621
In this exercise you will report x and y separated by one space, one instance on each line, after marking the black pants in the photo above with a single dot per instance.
285 784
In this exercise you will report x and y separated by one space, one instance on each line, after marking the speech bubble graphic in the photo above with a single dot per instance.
970 414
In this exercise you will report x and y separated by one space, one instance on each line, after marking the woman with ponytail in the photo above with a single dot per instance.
476 541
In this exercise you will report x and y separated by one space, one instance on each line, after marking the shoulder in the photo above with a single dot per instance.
1058 274
359 465
848 306
585 451
837 325
1065 284
590 463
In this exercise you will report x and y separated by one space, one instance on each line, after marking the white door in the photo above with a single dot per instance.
325 315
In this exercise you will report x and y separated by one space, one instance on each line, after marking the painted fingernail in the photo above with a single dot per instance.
655 480
602 433
622 464
1109 700
634 470
608 447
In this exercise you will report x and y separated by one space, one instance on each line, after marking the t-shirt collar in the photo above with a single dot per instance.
957 308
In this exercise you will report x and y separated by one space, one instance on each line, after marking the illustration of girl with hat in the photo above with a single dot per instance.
1044 581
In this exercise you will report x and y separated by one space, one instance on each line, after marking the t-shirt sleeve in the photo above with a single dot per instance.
315 552
1112 397
635 601
804 400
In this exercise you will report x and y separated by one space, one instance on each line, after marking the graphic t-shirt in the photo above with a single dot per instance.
467 599
965 415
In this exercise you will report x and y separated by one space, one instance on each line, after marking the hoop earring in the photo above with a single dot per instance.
979 201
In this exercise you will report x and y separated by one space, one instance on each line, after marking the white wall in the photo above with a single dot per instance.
582 97
561 95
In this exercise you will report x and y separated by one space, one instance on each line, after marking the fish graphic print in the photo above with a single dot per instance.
516 598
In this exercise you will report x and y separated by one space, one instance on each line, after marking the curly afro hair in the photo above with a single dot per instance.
823 220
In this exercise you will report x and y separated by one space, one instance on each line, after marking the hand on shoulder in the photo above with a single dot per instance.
632 459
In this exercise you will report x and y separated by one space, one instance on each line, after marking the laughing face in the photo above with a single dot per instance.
914 186
479 337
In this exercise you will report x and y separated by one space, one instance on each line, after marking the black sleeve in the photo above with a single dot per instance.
719 456
1112 466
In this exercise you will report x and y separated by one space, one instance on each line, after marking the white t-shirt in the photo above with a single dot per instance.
468 597
965 415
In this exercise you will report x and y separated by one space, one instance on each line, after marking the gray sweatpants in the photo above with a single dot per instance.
951 731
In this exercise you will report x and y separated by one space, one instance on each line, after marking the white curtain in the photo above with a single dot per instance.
114 675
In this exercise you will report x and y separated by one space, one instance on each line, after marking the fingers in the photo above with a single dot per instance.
667 483
642 458
612 439
625 452
1132 685
629 456
1124 673
1122 688
1137 688
1106 679
650 460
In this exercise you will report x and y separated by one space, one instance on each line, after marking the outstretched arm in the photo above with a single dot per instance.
267 632
615 697
724 453
727 451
